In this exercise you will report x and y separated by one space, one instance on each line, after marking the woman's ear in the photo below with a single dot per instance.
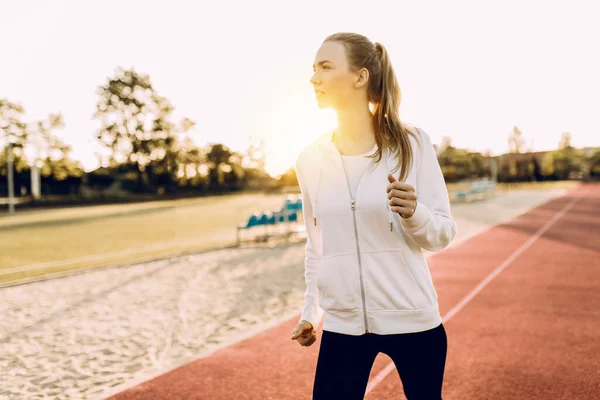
362 79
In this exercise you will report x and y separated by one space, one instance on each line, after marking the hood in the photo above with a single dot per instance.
326 147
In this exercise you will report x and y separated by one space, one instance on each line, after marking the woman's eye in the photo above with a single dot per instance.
324 67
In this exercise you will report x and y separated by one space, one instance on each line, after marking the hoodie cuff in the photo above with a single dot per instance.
418 219
312 316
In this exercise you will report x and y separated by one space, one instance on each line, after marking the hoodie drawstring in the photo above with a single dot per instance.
315 200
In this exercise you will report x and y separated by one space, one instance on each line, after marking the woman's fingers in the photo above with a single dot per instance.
402 194
402 203
301 329
307 337
297 333
308 341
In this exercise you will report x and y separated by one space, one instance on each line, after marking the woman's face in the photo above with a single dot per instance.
332 80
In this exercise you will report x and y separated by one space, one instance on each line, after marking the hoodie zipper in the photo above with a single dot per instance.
353 207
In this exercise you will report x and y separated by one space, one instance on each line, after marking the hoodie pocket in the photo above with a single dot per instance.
338 283
390 283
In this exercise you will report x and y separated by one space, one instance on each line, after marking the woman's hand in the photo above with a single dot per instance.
402 197
305 333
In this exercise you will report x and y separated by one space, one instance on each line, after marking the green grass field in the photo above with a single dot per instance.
84 237
69 239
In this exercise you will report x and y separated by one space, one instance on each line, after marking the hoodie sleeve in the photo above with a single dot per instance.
432 226
314 253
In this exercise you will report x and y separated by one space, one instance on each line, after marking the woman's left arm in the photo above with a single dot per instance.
431 226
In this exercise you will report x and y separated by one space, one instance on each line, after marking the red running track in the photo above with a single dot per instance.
521 308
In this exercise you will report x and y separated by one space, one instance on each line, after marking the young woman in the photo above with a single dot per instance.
366 224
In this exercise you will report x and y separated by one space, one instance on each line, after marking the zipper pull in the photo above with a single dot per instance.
315 219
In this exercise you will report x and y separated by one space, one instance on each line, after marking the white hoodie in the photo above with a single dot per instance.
364 266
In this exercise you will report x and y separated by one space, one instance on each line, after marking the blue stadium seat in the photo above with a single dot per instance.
287 213
252 221
263 219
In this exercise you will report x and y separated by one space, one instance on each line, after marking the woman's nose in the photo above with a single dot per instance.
313 79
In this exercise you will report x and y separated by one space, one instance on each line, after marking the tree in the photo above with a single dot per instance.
515 141
255 157
56 154
548 169
536 169
219 163
594 165
565 140
189 160
446 143
12 128
477 166
136 125
458 164
569 161
14 132
46 148
48 143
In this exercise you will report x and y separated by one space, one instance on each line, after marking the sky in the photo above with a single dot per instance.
470 70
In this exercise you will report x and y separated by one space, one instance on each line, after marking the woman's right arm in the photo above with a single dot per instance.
314 253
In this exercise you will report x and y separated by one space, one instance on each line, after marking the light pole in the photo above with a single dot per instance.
32 154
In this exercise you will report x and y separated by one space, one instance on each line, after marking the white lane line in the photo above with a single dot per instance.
391 366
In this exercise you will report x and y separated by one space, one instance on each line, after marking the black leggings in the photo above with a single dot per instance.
345 363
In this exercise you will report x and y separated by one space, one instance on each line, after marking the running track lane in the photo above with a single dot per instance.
521 307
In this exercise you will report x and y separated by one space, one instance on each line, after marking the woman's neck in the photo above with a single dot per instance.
354 133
